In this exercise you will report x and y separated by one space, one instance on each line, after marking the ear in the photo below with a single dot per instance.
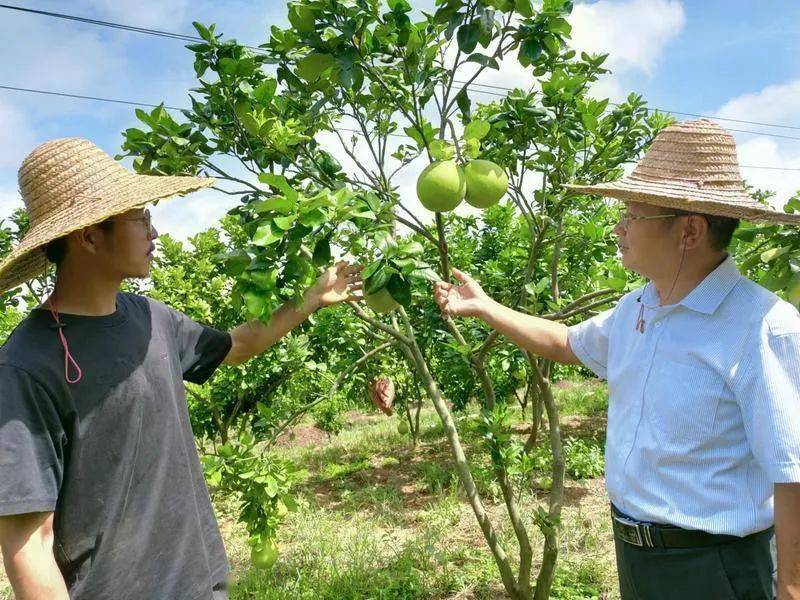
694 232
89 238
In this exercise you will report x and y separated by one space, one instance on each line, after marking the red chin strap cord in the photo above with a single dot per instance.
67 354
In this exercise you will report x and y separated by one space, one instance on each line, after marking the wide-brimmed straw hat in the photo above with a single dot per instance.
691 166
68 184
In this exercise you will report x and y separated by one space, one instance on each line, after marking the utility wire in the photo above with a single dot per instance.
155 32
356 131
190 38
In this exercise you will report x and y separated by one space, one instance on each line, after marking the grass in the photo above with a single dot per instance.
378 519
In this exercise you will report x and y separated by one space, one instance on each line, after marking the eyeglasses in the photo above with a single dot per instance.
145 218
626 220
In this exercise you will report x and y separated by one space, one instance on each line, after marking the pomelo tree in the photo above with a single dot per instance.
384 89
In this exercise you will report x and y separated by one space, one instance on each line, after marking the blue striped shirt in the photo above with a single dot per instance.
704 406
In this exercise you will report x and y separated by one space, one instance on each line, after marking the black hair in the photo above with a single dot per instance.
720 229
56 251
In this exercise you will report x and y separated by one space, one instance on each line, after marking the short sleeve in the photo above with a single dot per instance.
32 443
202 349
767 389
589 341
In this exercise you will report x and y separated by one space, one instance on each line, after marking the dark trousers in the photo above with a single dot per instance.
742 570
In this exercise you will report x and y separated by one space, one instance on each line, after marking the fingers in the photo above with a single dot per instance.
461 276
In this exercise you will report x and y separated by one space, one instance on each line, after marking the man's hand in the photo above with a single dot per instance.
465 300
544 338
339 283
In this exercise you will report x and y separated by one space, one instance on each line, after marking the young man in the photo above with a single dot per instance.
703 370
101 490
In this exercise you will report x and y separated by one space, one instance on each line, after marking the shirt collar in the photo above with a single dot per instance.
710 292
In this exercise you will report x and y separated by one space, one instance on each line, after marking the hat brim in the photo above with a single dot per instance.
28 259
689 197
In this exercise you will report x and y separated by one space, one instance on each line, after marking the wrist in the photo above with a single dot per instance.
311 303
486 310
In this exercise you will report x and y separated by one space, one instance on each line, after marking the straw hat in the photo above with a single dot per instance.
691 166
68 184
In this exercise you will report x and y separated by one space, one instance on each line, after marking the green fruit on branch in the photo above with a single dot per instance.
381 301
402 428
441 186
264 555
486 183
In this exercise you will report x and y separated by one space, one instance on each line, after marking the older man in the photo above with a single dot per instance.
703 367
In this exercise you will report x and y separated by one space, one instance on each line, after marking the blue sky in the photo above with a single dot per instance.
734 58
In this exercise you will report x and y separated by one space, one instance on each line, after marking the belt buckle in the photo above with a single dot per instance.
642 531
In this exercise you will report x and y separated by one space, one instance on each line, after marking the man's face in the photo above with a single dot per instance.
647 246
127 249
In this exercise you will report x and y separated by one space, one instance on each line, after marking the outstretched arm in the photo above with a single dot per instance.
338 284
536 335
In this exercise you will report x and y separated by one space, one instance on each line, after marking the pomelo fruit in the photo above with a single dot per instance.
486 183
381 301
402 428
441 186
264 555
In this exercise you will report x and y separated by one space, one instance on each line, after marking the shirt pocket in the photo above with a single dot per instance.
681 399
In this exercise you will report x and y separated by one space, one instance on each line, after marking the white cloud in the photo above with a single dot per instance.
777 104
633 32
142 13
763 151
773 104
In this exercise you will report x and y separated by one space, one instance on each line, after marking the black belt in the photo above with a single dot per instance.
654 535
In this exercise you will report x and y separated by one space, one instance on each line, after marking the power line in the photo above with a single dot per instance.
674 112
190 38
150 105
121 26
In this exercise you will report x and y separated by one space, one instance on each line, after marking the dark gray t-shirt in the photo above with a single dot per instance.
113 455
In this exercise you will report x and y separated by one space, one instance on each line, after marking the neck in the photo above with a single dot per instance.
84 294
674 285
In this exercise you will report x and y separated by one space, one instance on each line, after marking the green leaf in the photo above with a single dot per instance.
524 8
477 130
589 121
235 262
441 150
205 33
284 223
264 235
314 218
265 91
279 182
250 124
463 102
486 61
278 204
529 51
322 252
473 148
426 273
468 37
400 289
371 269
312 67
773 253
